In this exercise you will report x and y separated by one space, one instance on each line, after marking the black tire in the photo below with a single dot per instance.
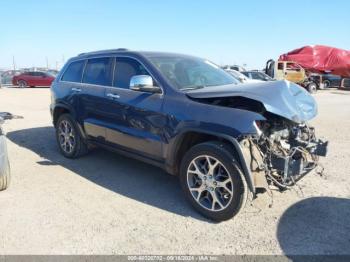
326 84
312 88
22 84
5 177
223 153
79 147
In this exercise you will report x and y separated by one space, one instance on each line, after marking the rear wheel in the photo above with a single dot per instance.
22 84
5 177
212 181
326 83
69 139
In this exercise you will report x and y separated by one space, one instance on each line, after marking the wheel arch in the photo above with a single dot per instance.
60 109
21 79
192 137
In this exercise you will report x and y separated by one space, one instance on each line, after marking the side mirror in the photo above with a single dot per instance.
144 83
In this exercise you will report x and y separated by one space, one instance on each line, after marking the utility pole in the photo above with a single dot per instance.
47 63
13 62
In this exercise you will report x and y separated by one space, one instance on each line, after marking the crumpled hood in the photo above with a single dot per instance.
281 98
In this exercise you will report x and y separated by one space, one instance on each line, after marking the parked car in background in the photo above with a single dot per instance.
7 76
291 71
241 77
328 80
234 67
191 118
257 75
32 79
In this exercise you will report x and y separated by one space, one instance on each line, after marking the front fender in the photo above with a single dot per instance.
231 140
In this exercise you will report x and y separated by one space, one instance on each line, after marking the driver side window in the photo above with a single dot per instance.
125 69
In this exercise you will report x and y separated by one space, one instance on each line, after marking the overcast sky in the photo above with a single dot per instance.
226 32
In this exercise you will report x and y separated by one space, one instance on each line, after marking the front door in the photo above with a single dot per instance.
294 72
98 74
38 79
135 121
280 70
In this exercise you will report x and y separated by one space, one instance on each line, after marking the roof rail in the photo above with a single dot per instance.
105 51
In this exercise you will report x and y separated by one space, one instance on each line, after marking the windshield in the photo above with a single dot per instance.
191 73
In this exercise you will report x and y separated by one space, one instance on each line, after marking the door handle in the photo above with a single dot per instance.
114 96
76 89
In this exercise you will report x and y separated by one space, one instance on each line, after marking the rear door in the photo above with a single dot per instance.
134 118
37 79
70 87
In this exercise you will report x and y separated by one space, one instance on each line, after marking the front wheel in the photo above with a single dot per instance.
69 139
312 88
212 181
22 84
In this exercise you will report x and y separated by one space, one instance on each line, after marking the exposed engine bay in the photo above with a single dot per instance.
283 152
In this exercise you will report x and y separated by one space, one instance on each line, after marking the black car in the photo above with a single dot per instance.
191 118
328 80
257 75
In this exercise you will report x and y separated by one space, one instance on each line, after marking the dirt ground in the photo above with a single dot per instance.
108 204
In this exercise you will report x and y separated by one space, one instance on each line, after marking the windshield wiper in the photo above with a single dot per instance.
194 87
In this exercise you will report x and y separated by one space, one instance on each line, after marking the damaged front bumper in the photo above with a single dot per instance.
300 161
268 165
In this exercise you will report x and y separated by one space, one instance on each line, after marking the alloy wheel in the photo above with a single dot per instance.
209 183
22 84
66 136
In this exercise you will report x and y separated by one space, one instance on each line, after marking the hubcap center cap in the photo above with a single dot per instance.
66 137
210 182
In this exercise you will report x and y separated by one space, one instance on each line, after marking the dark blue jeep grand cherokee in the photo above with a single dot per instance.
186 115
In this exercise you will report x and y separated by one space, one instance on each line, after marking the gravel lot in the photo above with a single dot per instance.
108 204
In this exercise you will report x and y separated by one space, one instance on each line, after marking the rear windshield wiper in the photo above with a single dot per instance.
194 87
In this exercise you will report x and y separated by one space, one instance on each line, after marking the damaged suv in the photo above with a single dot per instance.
186 115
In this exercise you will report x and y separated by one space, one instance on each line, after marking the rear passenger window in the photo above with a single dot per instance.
74 72
98 71
125 69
